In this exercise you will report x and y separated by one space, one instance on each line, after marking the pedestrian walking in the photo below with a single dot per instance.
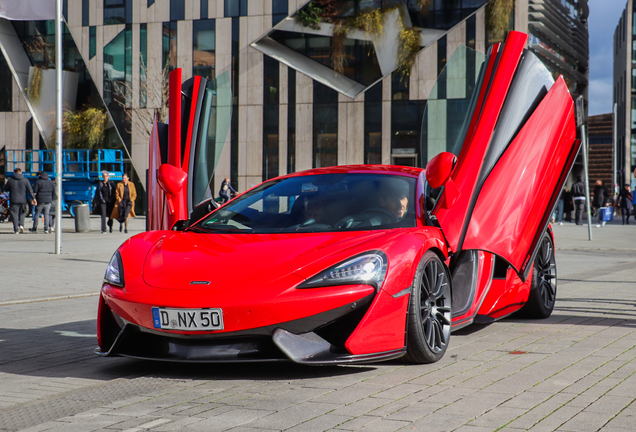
44 190
125 196
105 201
625 199
225 190
18 187
599 200
578 198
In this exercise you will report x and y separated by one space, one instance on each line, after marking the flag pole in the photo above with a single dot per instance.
58 126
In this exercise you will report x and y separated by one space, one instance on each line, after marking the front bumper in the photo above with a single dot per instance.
314 340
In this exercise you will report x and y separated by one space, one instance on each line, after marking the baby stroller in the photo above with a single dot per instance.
4 206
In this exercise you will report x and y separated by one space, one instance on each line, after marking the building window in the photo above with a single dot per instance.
143 64
279 10
204 9
6 86
406 126
471 31
117 12
85 13
271 85
373 124
235 8
291 120
441 62
177 10
169 45
203 48
150 3
92 42
118 70
325 126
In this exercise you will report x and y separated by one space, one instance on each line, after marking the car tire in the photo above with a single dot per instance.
543 289
429 316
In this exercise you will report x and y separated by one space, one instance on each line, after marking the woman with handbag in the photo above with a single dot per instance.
125 196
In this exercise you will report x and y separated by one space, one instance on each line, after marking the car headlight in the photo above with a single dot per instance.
115 271
368 268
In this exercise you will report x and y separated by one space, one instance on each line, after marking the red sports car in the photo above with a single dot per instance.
354 263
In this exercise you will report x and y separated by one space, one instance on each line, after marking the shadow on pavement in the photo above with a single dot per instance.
66 350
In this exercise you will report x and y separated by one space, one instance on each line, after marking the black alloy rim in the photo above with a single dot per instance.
546 273
435 307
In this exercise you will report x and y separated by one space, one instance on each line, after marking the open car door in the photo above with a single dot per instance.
514 153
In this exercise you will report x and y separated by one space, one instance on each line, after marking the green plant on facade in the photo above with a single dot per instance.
83 129
35 85
310 16
498 17
370 21
408 47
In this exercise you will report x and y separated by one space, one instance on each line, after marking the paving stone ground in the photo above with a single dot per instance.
575 371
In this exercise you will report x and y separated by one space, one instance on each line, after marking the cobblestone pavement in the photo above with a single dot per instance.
575 371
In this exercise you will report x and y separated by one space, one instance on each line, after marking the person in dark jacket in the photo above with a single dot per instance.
578 198
18 187
44 194
599 200
224 191
105 199
625 199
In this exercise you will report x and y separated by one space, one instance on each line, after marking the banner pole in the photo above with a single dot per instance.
58 126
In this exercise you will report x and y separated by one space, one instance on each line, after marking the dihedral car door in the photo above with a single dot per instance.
517 153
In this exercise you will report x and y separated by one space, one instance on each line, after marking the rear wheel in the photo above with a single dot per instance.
544 282
429 318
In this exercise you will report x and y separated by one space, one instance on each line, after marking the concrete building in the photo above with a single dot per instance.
293 107
625 95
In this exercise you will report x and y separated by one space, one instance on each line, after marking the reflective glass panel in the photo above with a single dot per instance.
319 203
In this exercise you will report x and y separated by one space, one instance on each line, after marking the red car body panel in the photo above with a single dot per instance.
454 219
526 177
383 328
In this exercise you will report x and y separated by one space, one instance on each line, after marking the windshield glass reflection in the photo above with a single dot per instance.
320 203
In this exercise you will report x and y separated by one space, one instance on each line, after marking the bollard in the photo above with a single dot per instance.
82 218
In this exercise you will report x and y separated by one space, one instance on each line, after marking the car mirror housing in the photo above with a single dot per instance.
438 173
171 179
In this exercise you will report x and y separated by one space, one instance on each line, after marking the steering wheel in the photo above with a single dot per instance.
309 224
385 215
363 219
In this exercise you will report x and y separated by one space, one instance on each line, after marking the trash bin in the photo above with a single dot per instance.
82 218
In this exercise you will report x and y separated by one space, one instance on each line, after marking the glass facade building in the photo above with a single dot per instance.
291 109
624 96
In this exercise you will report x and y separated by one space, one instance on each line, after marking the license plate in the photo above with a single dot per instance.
187 319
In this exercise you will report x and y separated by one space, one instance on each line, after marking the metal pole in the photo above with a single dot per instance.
615 131
587 182
58 126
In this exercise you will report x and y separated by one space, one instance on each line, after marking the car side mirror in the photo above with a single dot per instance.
171 179
438 174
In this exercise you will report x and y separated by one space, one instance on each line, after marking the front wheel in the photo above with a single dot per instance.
429 317
544 282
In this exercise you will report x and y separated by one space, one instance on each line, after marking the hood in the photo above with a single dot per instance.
18 176
242 260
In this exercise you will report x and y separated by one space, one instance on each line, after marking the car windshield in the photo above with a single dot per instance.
319 203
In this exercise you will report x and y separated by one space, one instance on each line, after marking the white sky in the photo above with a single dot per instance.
603 19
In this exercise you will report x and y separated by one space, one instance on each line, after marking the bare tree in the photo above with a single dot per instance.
155 92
